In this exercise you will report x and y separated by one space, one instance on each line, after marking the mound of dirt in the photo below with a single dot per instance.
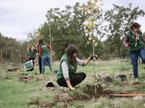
25 78
61 104
121 77
107 79
63 97
40 104
96 91
45 104
40 78
136 83
80 95
13 67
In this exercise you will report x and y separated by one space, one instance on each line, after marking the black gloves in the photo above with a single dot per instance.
93 57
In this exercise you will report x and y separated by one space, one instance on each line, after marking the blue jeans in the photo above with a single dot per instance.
134 59
45 58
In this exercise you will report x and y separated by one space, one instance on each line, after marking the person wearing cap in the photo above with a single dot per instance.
135 42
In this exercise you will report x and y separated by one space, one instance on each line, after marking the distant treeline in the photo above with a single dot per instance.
67 27
11 49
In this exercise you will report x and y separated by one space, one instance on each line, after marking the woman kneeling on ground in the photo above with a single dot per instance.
66 75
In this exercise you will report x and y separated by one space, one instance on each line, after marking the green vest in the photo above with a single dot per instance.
132 42
30 54
71 68
44 49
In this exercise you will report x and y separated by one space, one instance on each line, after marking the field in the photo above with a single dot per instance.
21 89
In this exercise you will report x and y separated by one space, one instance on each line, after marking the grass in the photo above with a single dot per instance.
17 94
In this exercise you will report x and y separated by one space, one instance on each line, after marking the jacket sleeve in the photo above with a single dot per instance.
39 51
80 62
125 41
65 70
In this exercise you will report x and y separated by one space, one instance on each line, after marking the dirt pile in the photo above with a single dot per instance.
25 78
121 78
41 104
80 95
96 91
107 79
13 67
63 97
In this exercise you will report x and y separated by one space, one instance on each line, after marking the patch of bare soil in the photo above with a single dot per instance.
121 78
41 104
107 79
137 85
63 97
86 93
25 78
125 83
96 91
80 95
40 78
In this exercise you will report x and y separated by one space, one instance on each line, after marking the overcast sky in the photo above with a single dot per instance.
19 17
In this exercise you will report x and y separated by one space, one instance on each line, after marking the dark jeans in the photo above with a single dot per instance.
39 63
134 59
75 79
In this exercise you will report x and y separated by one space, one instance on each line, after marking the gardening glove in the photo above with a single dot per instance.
93 57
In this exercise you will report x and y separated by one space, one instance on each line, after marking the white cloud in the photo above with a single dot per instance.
18 17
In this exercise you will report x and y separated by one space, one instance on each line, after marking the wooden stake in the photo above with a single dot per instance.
1 55
128 95
20 57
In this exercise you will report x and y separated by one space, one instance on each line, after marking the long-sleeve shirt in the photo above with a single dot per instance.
65 67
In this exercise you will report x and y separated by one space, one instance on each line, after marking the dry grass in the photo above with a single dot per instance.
17 94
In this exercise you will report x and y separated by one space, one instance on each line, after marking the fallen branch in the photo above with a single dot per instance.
127 95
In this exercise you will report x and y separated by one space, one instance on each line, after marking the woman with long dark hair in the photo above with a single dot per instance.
66 75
